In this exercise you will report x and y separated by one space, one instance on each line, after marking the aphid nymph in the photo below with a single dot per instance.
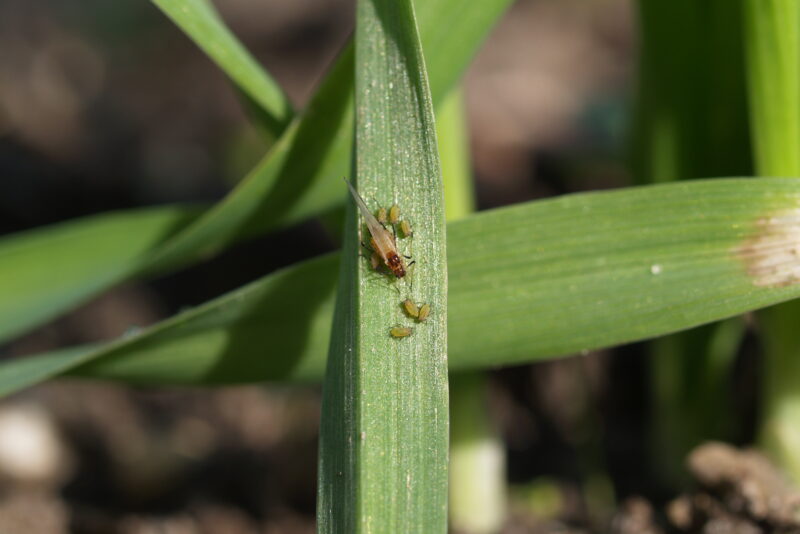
400 331
411 309
405 228
424 312
383 242
381 215
394 214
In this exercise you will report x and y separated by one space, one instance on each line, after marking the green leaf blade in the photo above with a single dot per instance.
383 444
42 271
647 276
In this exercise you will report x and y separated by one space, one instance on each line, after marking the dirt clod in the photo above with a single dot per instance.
739 491
635 516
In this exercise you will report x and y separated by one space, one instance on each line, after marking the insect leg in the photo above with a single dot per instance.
410 274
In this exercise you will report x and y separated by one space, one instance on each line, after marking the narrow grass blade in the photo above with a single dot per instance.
24 372
773 46
451 129
299 178
620 266
692 386
773 71
452 47
46 270
201 22
384 432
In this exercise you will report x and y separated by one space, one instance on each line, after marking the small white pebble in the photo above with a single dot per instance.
30 448
655 269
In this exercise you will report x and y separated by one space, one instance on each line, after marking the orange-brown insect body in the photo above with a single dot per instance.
382 241
395 264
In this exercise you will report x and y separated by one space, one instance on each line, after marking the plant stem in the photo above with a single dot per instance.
477 459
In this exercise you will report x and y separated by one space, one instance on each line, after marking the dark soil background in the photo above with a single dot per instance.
106 105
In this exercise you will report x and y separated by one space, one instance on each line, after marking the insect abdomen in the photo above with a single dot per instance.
394 263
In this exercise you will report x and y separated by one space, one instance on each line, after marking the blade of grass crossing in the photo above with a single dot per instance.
773 67
620 264
46 270
298 178
201 22
442 46
384 436
294 181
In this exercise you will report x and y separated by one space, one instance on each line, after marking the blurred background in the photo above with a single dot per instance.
107 105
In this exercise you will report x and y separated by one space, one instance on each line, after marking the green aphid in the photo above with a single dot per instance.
381 215
405 228
400 331
424 312
394 214
411 309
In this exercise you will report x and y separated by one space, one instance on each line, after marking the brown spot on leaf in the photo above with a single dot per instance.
772 254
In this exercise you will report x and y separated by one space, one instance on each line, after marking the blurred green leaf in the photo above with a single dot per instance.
690 116
773 47
477 487
46 270
200 21
451 130
529 282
